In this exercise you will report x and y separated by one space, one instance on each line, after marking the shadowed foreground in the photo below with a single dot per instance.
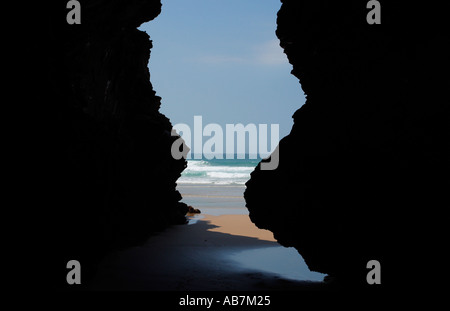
193 257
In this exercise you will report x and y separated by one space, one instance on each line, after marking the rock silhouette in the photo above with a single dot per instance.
107 151
361 176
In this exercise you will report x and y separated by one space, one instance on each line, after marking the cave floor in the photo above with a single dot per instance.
225 252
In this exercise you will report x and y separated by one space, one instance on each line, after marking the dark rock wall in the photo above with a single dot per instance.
364 172
108 179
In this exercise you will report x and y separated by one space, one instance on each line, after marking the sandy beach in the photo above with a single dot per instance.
199 256
212 252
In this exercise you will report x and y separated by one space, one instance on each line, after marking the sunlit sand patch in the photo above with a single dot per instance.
240 225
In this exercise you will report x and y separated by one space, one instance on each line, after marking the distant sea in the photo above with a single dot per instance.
218 171
216 186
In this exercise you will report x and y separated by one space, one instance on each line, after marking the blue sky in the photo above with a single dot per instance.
221 59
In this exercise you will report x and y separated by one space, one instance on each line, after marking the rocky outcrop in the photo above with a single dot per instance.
362 175
108 177
364 172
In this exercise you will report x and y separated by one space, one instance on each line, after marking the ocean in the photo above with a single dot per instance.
218 171
216 186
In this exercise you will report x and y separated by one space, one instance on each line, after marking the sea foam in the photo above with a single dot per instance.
218 171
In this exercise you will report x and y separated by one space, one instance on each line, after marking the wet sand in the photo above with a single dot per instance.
203 255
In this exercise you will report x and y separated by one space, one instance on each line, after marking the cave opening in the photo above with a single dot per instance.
364 158
225 84
220 62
